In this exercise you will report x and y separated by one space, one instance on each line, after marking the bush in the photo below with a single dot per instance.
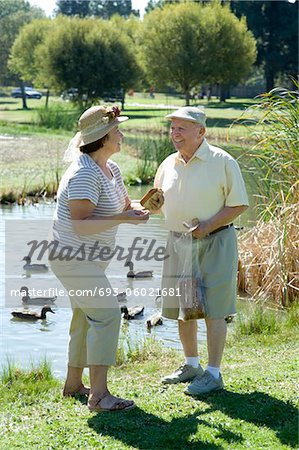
58 117
151 151
261 321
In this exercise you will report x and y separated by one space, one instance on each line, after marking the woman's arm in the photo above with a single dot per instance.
85 223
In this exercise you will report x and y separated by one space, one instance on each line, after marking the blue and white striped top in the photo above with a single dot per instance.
84 179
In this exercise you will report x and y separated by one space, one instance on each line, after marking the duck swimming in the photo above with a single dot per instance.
132 313
140 274
32 315
154 320
26 300
121 297
34 267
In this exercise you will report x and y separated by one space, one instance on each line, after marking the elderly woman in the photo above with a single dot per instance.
92 200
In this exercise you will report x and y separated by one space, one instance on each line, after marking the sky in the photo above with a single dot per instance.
49 5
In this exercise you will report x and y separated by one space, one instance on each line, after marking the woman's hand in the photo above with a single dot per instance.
134 216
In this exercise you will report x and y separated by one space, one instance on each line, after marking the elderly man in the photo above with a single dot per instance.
201 182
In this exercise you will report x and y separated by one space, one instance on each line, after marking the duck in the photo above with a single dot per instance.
140 274
34 267
154 320
121 297
26 300
158 299
132 313
32 315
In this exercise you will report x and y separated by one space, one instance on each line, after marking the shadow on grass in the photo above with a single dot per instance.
143 430
260 409
8 102
227 105
142 116
127 110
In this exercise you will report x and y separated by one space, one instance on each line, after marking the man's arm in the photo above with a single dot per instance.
227 215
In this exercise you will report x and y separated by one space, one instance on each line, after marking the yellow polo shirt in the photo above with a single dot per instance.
200 188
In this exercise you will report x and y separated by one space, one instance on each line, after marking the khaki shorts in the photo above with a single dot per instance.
95 323
218 263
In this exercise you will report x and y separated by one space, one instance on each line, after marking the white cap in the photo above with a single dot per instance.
191 113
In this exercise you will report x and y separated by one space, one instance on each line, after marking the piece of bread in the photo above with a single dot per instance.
152 193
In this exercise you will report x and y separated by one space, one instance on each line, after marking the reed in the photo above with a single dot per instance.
269 251
269 257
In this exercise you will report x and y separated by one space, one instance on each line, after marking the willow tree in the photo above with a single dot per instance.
187 44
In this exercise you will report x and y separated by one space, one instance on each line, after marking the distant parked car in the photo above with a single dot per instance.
30 93
72 94
112 96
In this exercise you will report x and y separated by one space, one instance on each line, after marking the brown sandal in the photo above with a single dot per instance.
119 404
82 390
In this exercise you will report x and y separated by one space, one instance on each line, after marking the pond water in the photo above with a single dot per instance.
26 343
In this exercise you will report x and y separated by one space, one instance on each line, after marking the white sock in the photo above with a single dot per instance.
192 361
215 371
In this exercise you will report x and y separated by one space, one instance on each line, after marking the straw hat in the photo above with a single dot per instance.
191 113
96 122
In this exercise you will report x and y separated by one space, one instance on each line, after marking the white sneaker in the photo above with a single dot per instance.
204 384
182 374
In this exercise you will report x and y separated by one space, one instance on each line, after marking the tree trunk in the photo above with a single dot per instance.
24 100
187 97
269 81
224 92
123 95
47 98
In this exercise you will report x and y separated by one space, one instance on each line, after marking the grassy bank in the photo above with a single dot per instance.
144 113
257 409
31 153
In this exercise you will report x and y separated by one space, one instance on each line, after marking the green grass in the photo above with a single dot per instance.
257 409
30 163
33 158
260 320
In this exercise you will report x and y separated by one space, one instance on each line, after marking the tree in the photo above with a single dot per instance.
275 26
230 49
13 15
97 8
24 59
152 4
79 8
85 54
107 8
187 44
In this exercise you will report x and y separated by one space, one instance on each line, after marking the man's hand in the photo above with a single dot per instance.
156 202
198 229
201 230
153 199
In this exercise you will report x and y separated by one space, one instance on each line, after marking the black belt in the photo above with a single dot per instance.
176 234
220 229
